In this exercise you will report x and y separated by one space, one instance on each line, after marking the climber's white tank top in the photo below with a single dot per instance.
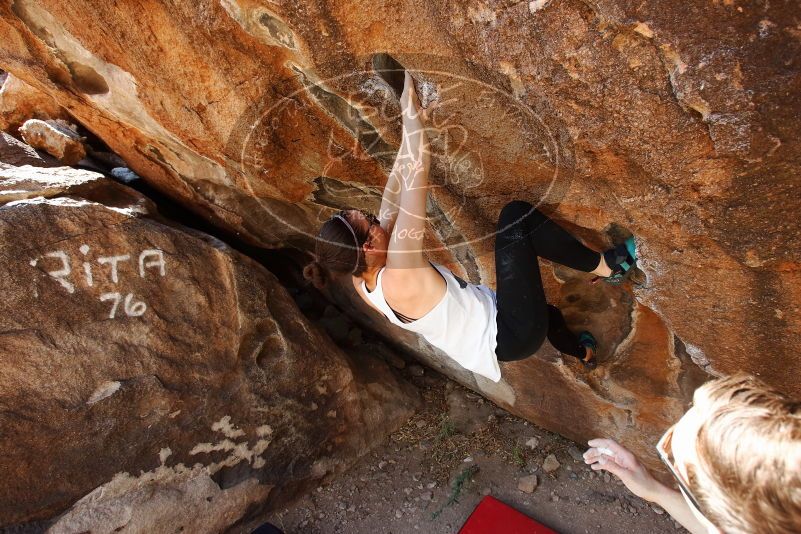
462 324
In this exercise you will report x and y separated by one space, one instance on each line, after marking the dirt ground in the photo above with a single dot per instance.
430 475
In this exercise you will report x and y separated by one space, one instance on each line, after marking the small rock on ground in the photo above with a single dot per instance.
528 484
550 464
575 453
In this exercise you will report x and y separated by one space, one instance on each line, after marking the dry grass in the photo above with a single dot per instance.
448 447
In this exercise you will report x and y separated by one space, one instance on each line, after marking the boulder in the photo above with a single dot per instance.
55 137
14 153
153 379
26 173
675 122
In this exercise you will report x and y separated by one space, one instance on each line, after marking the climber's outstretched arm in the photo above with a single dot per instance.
390 202
406 241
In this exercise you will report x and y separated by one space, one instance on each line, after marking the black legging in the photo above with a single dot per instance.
524 316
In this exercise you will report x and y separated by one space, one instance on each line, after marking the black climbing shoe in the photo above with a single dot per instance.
392 72
587 340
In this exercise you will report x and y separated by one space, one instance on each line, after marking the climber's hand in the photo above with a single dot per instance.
608 455
412 109
409 102
427 112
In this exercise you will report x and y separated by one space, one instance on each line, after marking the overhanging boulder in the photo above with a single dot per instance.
677 122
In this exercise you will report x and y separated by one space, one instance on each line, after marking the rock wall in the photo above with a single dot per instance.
677 122
20 102
151 378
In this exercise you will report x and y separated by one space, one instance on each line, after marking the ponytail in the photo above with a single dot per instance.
316 274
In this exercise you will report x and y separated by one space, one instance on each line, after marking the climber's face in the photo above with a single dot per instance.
375 247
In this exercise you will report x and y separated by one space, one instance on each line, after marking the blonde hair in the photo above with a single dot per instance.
748 475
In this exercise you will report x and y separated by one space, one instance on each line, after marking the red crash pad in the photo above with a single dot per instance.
491 516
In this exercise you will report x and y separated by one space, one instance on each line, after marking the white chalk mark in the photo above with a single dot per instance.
230 431
148 259
63 272
134 309
152 263
87 267
239 451
130 307
107 296
113 261
105 390
87 273
536 5
164 453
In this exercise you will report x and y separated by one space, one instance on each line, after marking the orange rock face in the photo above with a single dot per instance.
20 102
675 122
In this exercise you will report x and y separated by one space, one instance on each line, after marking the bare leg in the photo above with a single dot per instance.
602 269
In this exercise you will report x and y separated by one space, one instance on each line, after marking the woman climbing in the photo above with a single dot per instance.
470 323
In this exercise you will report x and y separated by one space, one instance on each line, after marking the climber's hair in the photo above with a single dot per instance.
748 476
335 251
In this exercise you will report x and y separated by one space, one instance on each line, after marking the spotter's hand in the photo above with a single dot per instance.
608 455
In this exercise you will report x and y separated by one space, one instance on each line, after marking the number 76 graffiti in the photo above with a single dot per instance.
150 262
131 308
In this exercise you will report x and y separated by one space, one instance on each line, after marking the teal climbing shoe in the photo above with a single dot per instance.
586 339
622 259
